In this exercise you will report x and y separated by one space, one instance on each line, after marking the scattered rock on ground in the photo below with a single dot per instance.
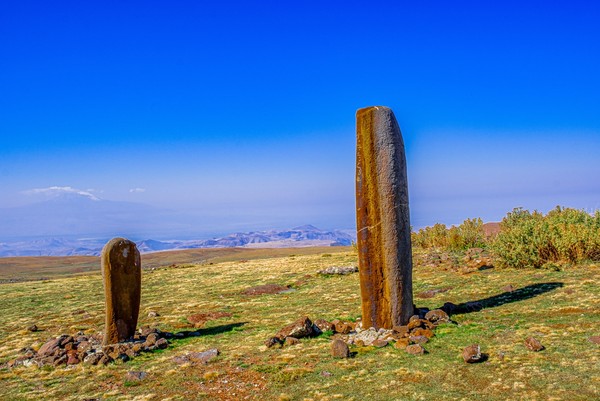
33 328
339 349
415 349
341 270
197 357
472 354
533 344
301 328
324 325
594 339
437 316
133 376
88 349
508 288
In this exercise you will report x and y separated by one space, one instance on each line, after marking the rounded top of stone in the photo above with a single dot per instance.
373 109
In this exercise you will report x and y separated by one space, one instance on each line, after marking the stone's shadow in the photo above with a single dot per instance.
507 297
210 331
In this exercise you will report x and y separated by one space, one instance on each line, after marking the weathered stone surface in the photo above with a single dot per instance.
339 349
324 325
302 327
341 270
418 339
382 214
122 275
437 316
273 341
533 344
415 349
50 347
402 343
197 357
134 376
472 354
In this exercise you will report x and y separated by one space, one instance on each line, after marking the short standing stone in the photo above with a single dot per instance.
122 275
339 349
533 344
382 214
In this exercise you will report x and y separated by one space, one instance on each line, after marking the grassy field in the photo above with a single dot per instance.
560 308
43 268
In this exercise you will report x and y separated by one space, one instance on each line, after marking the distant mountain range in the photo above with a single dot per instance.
296 237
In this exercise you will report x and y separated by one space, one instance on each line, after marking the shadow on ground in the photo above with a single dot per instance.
209 331
506 297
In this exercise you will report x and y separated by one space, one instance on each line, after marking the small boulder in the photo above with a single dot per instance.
423 332
402 343
533 344
472 354
33 328
273 341
301 328
437 316
133 376
93 359
339 349
153 314
49 347
324 325
380 343
594 339
400 331
162 343
418 339
415 349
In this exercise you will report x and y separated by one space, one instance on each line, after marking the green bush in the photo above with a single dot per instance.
467 235
564 235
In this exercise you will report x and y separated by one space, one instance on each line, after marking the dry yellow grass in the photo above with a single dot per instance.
561 316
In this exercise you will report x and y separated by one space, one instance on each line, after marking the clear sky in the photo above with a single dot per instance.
247 109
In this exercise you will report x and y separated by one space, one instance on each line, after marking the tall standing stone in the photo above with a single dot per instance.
122 276
383 226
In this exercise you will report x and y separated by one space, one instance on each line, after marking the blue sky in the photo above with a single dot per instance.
238 110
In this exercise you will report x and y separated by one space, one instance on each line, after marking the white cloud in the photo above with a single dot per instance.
137 190
56 191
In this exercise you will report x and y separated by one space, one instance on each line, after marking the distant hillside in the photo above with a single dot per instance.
296 237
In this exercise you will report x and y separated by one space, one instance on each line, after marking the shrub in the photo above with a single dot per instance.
564 235
469 234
